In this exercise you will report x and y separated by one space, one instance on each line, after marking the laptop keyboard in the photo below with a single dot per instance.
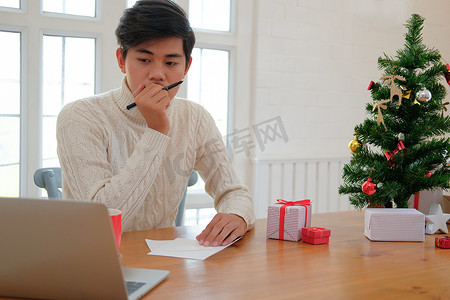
133 286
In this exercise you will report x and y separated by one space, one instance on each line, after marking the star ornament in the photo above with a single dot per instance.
436 220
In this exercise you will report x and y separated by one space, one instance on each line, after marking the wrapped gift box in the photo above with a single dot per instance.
394 224
426 199
442 242
316 235
285 219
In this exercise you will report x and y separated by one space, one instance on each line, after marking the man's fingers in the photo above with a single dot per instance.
222 230
228 234
210 232
231 237
218 234
139 89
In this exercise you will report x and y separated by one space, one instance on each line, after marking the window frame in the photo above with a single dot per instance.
219 40
23 114
231 59
22 8
33 23
196 197
98 13
97 69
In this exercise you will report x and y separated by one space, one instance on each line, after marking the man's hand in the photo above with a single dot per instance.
222 230
153 102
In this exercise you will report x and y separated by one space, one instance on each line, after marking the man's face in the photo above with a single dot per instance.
159 61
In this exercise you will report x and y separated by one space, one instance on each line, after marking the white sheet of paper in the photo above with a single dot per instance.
182 248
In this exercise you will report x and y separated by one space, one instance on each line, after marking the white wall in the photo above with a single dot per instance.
313 60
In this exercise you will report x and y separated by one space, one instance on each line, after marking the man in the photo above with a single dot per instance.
138 160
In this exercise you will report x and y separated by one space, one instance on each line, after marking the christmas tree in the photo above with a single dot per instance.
401 148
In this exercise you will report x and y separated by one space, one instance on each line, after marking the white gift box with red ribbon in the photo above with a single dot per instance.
285 219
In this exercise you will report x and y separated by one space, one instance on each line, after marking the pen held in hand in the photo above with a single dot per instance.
166 88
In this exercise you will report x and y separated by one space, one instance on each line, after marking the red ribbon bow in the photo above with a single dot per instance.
390 155
285 204
447 74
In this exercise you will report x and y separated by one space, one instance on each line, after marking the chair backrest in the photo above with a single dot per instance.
191 181
51 180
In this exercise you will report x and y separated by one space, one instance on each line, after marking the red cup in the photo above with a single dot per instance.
116 220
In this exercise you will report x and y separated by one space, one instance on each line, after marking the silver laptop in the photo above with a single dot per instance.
55 249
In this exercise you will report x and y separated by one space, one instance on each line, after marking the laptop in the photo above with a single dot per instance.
56 249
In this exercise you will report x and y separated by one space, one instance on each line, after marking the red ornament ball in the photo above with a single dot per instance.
447 74
369 187
447 77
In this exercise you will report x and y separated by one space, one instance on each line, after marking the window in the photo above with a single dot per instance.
10 3
131 3
71 7
60 66
208 83
68 74
10 113
210 14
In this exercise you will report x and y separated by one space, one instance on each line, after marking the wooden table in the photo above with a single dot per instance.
349 267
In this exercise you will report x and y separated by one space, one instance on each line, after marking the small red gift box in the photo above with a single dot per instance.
443 242
285 219
316 235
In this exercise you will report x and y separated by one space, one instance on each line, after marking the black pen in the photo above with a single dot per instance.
166 88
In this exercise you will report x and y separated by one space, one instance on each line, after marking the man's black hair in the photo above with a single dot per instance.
152 20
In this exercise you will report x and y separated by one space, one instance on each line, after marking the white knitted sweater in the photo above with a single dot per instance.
108 154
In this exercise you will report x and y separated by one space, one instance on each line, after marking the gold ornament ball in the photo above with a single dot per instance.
353 145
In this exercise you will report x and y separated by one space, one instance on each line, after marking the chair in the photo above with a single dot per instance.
51 180
191 181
